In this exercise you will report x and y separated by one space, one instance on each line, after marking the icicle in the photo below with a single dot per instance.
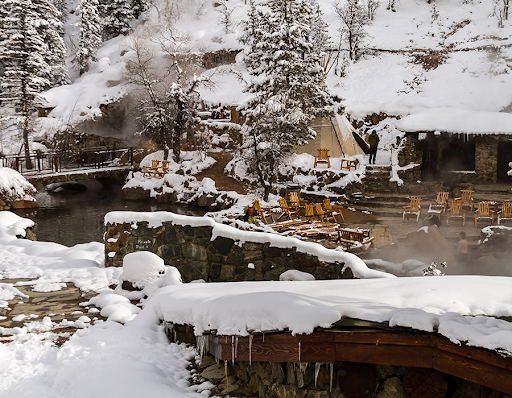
263 337
201 345
303 367
226 373
331 370
250 348
317 370
233 350
299 352
236 346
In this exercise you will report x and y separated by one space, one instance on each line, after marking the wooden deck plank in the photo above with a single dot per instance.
473 370
373 347
400 355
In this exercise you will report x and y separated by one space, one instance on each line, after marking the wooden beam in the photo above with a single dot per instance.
375 347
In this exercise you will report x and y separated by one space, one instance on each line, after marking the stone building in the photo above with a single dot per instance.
458 146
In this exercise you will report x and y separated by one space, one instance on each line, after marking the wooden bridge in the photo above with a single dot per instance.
357 341
41 169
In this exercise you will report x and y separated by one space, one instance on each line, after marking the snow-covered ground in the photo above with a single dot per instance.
128 355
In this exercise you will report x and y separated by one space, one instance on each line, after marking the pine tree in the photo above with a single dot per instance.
138 7
28 35
117 15
62 8
288 87
51 30
90 34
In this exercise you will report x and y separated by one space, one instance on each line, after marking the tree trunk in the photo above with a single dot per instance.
28 161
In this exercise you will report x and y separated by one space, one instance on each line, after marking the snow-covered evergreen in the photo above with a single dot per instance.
287 86
32 55
90 34
117 15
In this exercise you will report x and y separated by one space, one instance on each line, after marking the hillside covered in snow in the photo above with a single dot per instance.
417 56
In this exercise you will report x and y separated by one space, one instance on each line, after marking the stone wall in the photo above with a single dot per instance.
199 253
486 158
411 153
336 380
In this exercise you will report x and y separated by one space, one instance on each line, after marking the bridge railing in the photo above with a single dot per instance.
68 160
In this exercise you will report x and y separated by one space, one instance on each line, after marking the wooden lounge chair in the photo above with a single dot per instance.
467 199
285 210
456 211
413 209
505 214
438 205
295 202
322 215
483 212
309 212
349 164
350 237
323 157
333 210
264 212
153 170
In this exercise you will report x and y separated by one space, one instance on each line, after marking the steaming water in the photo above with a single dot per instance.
71 218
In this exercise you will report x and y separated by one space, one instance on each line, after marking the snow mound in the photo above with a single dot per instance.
13 186
142 268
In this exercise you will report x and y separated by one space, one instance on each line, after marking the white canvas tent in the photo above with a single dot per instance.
334 133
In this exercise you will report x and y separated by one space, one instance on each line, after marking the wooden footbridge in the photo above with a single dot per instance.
41 169
356 341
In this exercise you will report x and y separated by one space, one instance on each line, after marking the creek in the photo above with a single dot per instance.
72 216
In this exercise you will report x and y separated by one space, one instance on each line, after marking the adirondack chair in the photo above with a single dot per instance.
295 202
505 214
456 211
323 157
322 215
153 170
357 237
285 210
467 199
333 210
413 209
483 212
438 205
349 164
309 212
264 212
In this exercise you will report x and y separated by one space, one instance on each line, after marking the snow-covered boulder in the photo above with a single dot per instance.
141 269
15 191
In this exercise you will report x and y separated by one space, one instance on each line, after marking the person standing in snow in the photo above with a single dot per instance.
373 140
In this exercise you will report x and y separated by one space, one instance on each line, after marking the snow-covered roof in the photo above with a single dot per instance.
453 120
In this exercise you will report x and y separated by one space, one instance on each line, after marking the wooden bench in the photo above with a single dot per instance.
350 237
323 157
349 164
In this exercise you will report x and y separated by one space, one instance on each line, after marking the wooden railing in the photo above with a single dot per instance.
68 160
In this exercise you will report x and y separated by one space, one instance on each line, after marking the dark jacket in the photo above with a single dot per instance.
373 140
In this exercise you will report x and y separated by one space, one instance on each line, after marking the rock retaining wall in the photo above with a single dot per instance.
200 253
336 380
